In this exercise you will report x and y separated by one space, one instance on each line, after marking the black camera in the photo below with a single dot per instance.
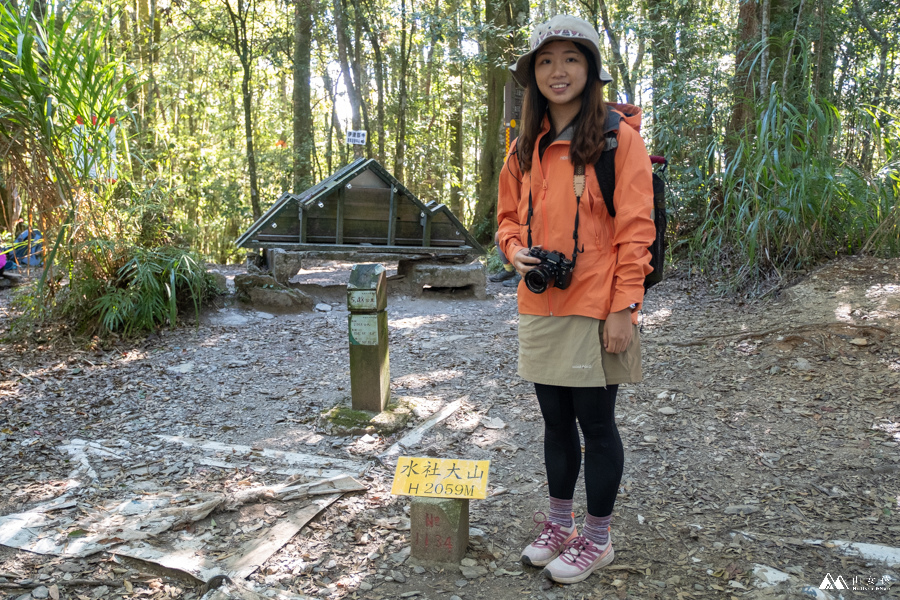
554 269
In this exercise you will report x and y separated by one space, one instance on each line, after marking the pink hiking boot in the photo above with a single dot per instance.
578 560
549 543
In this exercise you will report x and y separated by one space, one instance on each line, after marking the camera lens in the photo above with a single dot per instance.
538 279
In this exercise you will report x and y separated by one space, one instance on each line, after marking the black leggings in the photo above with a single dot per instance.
604 457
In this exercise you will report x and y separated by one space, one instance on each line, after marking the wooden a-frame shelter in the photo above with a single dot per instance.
361 207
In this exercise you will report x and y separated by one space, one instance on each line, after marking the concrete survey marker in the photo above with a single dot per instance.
439 529
439 513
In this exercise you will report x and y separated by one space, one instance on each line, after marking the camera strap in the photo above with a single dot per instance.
530 212
578 183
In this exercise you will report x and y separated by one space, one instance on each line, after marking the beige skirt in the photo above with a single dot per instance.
568 351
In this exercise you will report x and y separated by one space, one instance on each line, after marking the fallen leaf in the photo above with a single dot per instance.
495 423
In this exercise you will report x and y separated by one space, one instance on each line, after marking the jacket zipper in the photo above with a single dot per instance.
544 188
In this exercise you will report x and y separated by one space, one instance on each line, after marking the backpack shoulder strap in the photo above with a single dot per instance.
605 168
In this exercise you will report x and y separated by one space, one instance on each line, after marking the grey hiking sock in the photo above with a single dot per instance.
561 512
596 529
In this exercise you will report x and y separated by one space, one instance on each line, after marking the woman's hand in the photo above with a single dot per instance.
617 331
523 262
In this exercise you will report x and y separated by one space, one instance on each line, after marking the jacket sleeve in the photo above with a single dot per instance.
508 195
634 227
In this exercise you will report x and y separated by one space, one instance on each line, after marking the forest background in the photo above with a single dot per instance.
779 119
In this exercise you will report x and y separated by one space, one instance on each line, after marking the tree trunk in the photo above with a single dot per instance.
619 60
344 50
456 127
369 25
127 18
429 179
765 28
884 43
495 74
241 46
379 90
302 125
826 53
847 62
402 98
360 74
248 132
39 10
743 107
662 50
155 32
785 19
152 91
335 122
142 52
6 221
790 65
503 19
435 35
10 204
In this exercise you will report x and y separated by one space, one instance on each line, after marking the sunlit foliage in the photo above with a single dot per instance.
778 119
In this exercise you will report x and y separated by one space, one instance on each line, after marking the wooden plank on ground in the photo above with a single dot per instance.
415 436
310 473
313 461
254 553
285 492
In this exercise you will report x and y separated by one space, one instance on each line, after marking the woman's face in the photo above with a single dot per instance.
561 72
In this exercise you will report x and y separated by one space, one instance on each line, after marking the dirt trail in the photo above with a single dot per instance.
764 434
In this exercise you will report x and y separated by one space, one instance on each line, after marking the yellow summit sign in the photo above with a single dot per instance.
441 477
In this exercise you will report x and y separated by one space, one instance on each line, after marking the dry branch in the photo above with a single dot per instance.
747 335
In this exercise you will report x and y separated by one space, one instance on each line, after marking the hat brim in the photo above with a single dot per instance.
521 69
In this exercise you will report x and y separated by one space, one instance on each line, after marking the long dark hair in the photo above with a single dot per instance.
588 141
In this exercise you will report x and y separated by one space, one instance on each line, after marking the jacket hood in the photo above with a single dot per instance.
631 114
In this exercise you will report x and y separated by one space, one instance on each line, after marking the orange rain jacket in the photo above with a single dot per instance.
609 273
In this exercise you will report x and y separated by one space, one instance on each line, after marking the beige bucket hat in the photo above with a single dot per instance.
560 27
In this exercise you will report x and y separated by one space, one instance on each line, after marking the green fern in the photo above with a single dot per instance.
149 290
114 308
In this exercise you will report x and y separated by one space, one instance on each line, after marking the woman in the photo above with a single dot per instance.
577 341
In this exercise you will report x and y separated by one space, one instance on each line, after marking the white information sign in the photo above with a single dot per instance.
363 300
364 330
357 138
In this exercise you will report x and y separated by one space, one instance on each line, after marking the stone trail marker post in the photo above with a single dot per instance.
439 513
370 372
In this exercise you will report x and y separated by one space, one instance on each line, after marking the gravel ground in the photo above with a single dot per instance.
764 439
